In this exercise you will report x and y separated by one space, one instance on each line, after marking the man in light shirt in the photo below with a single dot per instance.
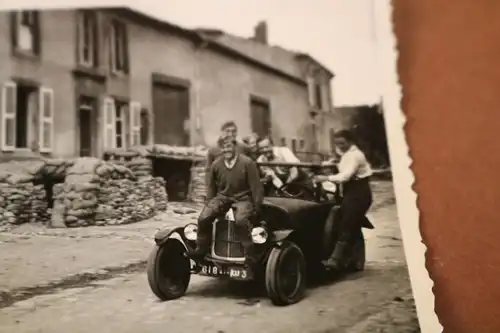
354 174
252 141
278 176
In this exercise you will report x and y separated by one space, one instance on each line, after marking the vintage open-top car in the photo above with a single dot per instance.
296 233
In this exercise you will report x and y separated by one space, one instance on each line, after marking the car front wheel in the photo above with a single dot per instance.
285 275
169 270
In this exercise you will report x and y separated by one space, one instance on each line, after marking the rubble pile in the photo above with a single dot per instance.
198 189
127 200
177 152
159 194
57 168
198 155
97 192
78 194
139 160
136 159
21 201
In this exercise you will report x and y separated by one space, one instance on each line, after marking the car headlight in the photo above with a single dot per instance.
191 231
259 235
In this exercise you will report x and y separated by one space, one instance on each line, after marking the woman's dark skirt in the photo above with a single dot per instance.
357 199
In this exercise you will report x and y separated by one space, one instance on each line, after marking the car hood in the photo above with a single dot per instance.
290 213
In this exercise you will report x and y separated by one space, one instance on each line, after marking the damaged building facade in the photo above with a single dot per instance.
80 82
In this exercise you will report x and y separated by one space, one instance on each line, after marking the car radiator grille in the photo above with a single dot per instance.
226 243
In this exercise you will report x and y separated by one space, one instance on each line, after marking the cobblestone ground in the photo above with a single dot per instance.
107 299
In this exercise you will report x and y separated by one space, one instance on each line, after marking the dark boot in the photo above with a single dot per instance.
336 259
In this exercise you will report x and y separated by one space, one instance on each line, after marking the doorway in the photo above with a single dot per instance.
171 111
87 122
260 115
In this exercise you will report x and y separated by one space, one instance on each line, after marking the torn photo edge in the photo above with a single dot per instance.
406 197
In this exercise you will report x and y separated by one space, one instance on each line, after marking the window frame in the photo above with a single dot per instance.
34 28
93 34
119 31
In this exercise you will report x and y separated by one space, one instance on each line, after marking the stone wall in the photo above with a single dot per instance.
22 203
122 201
96 192
197 187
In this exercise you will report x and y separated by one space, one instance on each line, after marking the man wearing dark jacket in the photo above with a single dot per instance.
233 180
228 129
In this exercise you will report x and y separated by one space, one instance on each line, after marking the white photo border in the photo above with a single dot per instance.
406 197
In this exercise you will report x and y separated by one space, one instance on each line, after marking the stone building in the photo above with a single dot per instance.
77 82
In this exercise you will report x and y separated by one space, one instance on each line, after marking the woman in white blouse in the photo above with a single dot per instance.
354 173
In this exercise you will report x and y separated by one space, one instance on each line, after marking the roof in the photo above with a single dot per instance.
301 55
273 55
274 59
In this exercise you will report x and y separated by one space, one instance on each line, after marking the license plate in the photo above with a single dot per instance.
237 273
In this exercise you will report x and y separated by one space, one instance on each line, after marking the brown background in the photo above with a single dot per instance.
450 70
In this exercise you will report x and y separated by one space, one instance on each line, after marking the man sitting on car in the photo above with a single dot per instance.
233 180
278 176
228 129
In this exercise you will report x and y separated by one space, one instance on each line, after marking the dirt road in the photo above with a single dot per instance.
376 300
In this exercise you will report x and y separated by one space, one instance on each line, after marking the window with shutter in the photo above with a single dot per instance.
294 145
310 88
325 94
135 123
122 124
8 116
87 38
46 120
119 47
26 32
109 123
318 96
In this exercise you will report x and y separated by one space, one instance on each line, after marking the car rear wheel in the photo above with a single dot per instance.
169 270
285 276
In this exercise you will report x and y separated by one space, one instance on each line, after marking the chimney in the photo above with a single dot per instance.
260 32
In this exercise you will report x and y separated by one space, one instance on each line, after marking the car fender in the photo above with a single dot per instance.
165 234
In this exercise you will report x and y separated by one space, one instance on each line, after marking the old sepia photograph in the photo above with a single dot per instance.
198 166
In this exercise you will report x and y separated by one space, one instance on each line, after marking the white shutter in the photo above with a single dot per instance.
46 120
108 112
135 124
8 116
310 91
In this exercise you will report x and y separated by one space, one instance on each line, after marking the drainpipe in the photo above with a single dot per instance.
196 117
